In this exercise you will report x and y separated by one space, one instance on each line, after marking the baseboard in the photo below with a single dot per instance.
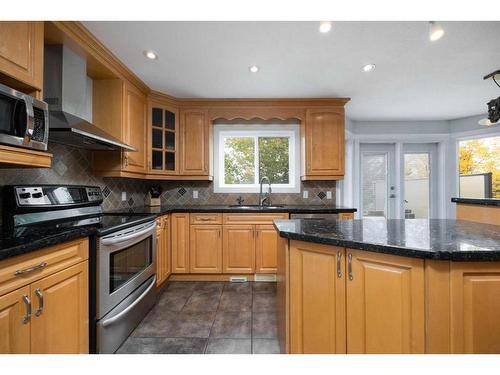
221 277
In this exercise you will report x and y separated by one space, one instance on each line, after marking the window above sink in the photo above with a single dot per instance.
243 154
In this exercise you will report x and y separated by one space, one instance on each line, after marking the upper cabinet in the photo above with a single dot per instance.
195 142
119 108
21 54
163 138
324 144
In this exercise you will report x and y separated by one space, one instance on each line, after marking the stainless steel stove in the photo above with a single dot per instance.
122 257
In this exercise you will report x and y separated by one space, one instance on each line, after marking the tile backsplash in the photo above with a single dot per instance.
74 166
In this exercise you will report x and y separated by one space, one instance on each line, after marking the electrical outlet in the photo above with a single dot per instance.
124 196
305 194
328 195
195 194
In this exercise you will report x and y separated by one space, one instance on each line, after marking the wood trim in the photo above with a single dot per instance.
23 157
262 113
478 213
264 102
321 178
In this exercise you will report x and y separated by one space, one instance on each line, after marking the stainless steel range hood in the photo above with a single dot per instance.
68 92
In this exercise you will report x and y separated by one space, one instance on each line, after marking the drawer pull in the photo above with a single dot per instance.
205 218
31 269
27 302
39 294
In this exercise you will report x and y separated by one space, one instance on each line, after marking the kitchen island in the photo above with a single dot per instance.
388 286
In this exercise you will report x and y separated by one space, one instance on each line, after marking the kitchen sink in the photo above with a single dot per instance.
256 206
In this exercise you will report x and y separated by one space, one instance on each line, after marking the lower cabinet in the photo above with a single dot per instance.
266 249
205 249
354 301
179 241
163 256
385 303
46 310
239 249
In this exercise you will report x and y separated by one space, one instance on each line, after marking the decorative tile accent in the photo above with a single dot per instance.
106 192
182 191
131 202
321 195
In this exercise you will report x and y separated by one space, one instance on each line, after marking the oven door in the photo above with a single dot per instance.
125 260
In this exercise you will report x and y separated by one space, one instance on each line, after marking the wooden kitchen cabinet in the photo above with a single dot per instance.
180 242
56 292
266 249
324 144
205 249
195 142
239 249
60 324
14 329
21 54
317 299
385 303
163 255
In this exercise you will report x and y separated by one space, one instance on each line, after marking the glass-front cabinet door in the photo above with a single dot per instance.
163 139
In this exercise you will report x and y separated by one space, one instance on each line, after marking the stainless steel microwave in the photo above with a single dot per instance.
24 120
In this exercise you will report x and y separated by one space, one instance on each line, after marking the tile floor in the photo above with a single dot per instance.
211 318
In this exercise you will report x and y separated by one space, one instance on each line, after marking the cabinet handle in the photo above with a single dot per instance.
27 302
219 232
339 261
205 218
31 269
39 294
349 266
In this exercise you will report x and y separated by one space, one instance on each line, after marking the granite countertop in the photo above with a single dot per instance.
481 201
432 239
161 210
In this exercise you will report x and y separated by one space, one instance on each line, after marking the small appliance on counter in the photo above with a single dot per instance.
153 196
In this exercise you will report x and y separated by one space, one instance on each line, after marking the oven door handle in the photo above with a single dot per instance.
118 239
118 316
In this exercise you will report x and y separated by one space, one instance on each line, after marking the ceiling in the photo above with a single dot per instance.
414 79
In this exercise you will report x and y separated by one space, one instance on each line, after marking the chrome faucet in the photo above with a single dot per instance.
266 199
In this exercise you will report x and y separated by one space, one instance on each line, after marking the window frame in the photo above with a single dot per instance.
291 131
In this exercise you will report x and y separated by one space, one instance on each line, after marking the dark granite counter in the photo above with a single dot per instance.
483 202
162 210
432 239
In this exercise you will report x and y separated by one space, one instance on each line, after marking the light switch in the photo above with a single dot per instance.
124 195
328 195
305 194
195 194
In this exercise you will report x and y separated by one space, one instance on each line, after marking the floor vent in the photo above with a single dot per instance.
238 279
264 278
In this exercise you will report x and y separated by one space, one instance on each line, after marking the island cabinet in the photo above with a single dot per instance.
21 54
350 301
119 108
44 301
163 253
324 144
195 143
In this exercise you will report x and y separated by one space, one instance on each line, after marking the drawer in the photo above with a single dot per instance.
54 259
206 218
261 218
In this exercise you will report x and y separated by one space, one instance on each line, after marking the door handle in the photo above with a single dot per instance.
349 266
27 302
339 265
39 294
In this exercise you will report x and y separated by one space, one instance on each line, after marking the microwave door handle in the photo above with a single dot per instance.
29 118
115 240
117 317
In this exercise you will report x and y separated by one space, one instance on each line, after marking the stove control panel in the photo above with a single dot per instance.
30 196
50 195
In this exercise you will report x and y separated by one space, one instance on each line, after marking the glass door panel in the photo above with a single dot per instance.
416 185
163 139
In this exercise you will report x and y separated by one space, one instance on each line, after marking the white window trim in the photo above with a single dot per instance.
291 131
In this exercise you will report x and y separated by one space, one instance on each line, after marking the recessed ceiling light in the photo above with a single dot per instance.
150 55
368 68
436 31
325 26
253 68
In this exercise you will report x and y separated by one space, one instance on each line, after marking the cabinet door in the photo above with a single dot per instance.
60 322
239 249
475 305
135 129
180 242
21 51
195 142
14 326
205 250
317 299
385 303
163 142
160 254
167 265
324 132
266 249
